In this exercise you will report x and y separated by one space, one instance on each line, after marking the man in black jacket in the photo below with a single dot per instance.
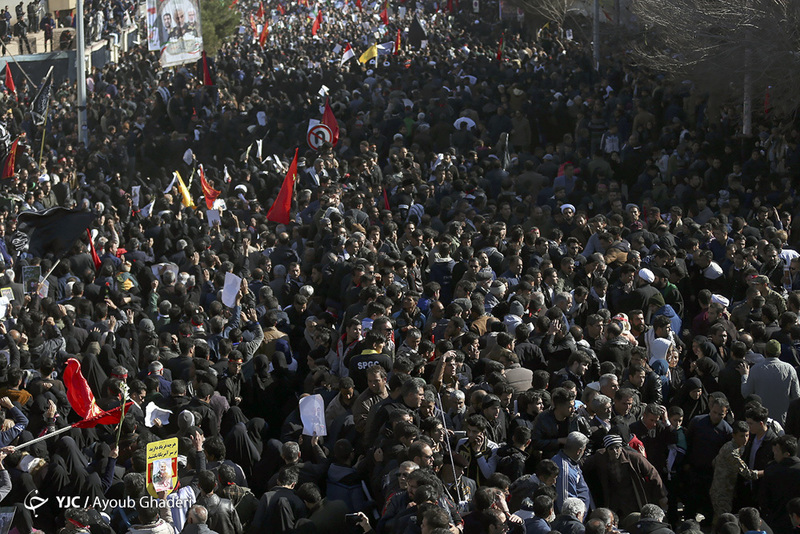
551 427
651 521
758 451
208 422
512 457
781 484
280 508
656 436
570 521
197 521
222 517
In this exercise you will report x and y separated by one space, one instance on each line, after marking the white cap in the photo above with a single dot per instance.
713 271
44 178
719 299
647 275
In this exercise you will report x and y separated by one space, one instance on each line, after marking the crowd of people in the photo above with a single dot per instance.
531 296
102 19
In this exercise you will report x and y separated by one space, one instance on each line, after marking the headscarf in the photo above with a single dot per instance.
240 449
692 407
261 375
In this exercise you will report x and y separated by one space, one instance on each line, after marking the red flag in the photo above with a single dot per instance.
386 204
281 208
209 192
79 394
317 23
95 257
110 417
262 39
233 3
385 15
281 9
348 54
253 25
10 81
8 165
206 71
330 121
450 6
358 4
260 13
397 43
500 49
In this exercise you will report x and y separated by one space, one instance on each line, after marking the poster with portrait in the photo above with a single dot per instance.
153 31
162 466
312 414
31 274
173 27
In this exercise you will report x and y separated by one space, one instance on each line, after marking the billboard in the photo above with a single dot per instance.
173 27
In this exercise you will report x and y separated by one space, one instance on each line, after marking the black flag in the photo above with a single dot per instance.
417 34
42 100
51 231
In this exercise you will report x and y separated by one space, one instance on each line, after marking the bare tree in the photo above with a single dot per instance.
738 49
553 10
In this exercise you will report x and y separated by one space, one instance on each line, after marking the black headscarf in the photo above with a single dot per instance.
240 449
690 406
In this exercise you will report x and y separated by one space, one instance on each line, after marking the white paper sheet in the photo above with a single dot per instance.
213 217
153 412
231 288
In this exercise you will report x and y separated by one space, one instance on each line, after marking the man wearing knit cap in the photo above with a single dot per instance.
773 380
623 480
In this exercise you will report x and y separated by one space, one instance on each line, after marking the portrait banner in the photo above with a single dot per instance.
176 29
162 466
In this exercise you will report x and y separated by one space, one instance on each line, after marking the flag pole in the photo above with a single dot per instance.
14 59
449 447
46 436
45 277
80 51
44 133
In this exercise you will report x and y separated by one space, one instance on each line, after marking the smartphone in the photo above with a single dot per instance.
352 519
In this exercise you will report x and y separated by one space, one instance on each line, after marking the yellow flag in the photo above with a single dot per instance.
371 52
186 199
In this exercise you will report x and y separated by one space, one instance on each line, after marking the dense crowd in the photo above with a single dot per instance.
531 296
